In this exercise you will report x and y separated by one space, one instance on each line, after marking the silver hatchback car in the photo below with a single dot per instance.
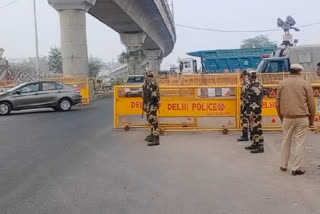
41 94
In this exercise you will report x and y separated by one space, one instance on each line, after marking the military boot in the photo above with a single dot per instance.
149 138
244 137
252 147
259 149
155 142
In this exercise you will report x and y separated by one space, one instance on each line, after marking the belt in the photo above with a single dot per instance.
295 117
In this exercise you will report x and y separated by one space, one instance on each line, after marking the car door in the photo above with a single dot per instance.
48 93
27 96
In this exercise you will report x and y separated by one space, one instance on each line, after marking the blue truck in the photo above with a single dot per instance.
232 60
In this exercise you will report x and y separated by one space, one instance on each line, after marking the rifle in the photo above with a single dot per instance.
144 107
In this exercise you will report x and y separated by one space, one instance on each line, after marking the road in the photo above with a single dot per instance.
75 163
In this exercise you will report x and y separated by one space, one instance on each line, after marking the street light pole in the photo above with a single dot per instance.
36 35
172 8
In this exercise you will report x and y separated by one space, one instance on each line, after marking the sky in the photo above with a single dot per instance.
17 27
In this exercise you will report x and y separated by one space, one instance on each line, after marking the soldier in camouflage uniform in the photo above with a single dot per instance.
255 97
151 102
244 116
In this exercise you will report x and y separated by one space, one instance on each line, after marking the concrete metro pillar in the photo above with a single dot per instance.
73 34
133 42
74 42
155 60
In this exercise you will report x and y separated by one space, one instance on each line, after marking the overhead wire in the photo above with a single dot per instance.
8 4
241 31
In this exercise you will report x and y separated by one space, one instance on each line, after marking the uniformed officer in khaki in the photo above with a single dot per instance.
296 108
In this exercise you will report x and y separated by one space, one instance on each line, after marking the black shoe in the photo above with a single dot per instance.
258 150
251 147
298 172
242 139
244 136
155 142
150 140
149 137
251 137
283 169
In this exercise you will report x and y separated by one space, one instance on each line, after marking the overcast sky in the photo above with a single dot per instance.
17 29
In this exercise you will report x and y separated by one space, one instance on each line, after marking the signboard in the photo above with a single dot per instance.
182 108
269 107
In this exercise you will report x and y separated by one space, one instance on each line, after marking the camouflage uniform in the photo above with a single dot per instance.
255 97
244 114
151 100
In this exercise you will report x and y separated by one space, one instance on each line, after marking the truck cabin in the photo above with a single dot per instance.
274 65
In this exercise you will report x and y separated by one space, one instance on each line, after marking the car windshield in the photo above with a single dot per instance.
15 88
135 79
260 67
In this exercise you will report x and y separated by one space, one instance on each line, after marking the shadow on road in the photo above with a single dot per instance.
39 111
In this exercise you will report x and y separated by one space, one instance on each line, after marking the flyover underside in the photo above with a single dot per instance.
131 16
142 24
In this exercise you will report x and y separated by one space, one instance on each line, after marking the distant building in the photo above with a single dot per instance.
104 73
120 71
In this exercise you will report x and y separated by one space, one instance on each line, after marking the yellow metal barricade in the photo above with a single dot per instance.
202 102
80 82
7 84
182 107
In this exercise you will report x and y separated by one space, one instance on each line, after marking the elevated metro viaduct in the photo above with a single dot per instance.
146 24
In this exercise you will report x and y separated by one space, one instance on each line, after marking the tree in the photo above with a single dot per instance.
133 59
55 60
94 66
55 63
258 42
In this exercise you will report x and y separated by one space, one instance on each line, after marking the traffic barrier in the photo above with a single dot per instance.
182 107
191 102
5 85
80 82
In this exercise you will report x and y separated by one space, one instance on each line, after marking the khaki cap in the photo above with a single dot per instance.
296 67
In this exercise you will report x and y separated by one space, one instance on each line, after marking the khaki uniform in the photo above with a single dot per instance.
296 107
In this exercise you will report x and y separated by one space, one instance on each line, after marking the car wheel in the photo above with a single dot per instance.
5 108
64 105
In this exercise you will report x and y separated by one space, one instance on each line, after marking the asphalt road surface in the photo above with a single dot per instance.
75 163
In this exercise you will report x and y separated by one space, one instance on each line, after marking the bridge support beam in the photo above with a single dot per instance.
155 60
73 35
133 42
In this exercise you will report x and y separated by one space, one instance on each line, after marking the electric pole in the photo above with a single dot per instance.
36 34
172 8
